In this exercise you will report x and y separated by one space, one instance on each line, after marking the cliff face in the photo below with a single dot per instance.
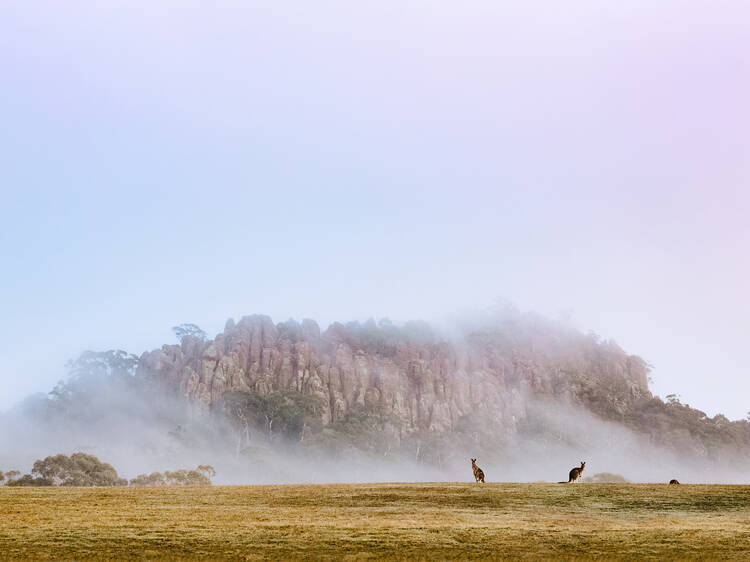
426 382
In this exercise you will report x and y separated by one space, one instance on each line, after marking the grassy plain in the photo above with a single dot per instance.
360 521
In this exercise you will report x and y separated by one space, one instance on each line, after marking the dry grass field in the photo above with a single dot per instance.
361 521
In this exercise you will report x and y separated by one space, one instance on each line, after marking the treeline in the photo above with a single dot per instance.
201 476
290 418
668 423
81 469
98 384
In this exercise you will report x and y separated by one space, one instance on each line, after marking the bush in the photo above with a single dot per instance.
201 476
9 476
184 477
28 480
153 479
605 478
79 469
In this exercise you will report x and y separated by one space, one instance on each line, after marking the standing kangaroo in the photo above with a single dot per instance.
575 473
478 473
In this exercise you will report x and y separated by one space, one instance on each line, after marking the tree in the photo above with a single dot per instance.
94 372
2 476
28 480
239 409
184 330
113 362
207 470
12 475
292 413
153 479
184 477
285 413
195 478
80 469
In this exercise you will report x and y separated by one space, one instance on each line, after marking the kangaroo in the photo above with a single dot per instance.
575 473
478 473
674 481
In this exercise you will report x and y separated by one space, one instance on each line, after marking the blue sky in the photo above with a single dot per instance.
188 162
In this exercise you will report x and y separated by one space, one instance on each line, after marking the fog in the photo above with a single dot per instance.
142 425
134 447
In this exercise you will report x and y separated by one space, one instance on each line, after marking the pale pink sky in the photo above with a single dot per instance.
190 161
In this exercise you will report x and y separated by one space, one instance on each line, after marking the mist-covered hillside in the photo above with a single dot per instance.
375 401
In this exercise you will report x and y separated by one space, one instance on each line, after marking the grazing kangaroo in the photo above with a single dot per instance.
478 473
575 473
673 481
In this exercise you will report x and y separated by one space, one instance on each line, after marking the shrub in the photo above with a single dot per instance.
605 478
153 479
28 480
201 476
79 469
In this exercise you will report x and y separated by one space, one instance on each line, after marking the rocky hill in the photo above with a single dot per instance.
518 390
425 382
488 378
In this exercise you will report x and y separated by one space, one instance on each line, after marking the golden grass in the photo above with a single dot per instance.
360 521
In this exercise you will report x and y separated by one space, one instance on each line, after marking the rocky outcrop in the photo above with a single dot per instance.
426 382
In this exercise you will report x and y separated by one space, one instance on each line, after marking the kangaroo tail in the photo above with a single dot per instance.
563 481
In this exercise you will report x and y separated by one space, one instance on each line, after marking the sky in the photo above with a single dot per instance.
170 162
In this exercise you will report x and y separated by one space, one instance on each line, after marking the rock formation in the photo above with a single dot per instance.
426 382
